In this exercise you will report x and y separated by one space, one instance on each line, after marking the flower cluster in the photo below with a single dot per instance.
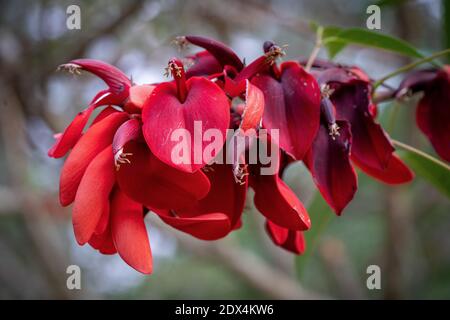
121 167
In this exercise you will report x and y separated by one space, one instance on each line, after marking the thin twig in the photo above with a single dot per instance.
316 49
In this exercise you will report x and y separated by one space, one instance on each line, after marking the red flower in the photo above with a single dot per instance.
354 135
178 105
433 113
112 176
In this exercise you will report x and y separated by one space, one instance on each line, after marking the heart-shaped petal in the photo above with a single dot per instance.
168 123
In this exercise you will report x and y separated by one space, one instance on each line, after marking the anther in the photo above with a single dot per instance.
333 130
70 67
240 172
273 52
121 158
326 91
171 67
181 42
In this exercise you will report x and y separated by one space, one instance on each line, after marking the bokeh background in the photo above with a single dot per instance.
404 230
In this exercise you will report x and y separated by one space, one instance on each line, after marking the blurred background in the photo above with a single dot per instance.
404 230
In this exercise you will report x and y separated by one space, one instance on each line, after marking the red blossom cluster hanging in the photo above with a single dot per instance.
121 167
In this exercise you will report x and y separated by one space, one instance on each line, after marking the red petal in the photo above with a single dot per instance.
137 97
206 105
329 163
433 114
204 64
226 195
210 226
104 241
371 144
97 138
155 184
116 80
292 105
396 171
278 203
290 240
104 114
71 135
129 130
74 131
254 107
224 54
129 232
92 198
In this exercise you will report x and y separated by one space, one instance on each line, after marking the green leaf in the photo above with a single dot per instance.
338 40
435 174
320 214
333 47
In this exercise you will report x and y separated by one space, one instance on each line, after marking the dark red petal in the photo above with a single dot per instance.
116 80
395 173
97 138
278 203
206 107
335 74
226 195
371 144
433 114
415 81
290 240
149 181
329 163
204 65
224 54
92 198
129 232
292 105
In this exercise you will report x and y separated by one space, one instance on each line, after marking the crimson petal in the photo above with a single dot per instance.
277 202
103 242
116 80
92 197
224 54
74 131
129 232
204 64
225 196
97 138
206 107
329 163
290 240
292 105
396 171
210 226
149 181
